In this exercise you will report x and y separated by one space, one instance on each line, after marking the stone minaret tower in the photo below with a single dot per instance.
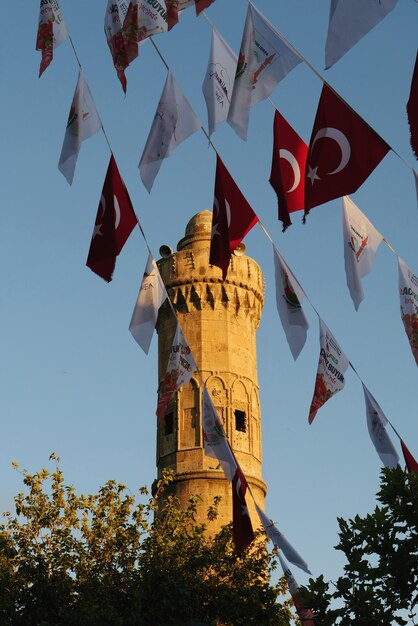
219 320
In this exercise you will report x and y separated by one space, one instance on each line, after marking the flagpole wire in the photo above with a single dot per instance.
74 50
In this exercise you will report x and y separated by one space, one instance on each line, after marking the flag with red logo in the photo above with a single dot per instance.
411 464
408 292
201 5
412 109
306 616
114 223
288 169
145 18
332 366
217 446
231 220
343 151
361 242
122 51
180 368
51 31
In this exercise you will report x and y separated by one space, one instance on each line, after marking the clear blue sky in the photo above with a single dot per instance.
73 380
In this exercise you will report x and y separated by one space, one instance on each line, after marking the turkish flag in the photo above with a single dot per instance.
115 221
343 151
288 169
202 4
412 110
242 530
411 463
231 220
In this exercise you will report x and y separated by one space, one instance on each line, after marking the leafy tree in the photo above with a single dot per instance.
104 559
379 586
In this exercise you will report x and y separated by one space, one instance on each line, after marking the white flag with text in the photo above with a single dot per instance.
376 424
408 293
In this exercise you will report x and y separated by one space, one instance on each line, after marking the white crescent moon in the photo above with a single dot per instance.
341 139
103 205
228 212
117 211
238 486
289 157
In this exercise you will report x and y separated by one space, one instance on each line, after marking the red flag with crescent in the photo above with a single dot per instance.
343 151
242 530
231 220
412 109
115 221
288 169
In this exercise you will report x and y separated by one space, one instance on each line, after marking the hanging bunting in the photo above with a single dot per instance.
408 292
412 109
376 424
123 52
306 616
52 31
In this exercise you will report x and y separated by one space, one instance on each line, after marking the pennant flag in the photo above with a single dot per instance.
201 5
180 368
411 463
122 51
145 18
51 31
219 80
288 169
331 369
289 295
349 21
376 422
217 446
151 296
172 13
232 218
306 616
115 221
264 60
412 109
83 122
281 542
361 242
408 291
343 151
174 122
242 530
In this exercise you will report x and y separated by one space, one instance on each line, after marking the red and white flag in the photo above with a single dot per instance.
412 109
173 122
180 368
289 295
151 296
51 31
115 221
172 13
219 80
349 21
201 5
145 18
288 169
376 424
343 151
232 218
306 616
122 51
264 60
411 464
361 242
332 366
83 122
408 292
280 541
217 446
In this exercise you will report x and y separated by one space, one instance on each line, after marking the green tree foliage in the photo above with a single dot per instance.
68 559
379 586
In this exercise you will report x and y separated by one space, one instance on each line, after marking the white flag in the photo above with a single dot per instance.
408 292
281 542
59 27
151 295
349 21
264 60
289 295
180 368
376 423
215 441
83 122
219 80
361 242
174 122
145 18
332 366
